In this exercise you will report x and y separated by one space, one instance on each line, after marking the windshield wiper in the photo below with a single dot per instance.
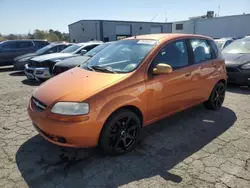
90 68
107 69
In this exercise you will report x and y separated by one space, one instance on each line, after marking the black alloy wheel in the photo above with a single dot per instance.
120 134
217 97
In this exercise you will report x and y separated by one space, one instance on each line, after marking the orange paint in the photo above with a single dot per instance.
156 97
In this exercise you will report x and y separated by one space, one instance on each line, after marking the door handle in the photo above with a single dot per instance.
188 74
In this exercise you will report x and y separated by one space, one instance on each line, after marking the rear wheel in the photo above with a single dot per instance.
120 133
217 97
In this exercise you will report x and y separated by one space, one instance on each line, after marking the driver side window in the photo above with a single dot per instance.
174 54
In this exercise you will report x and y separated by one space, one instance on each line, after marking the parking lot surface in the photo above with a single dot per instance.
196 148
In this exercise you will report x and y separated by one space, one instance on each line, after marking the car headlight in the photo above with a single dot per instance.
246 66
70 108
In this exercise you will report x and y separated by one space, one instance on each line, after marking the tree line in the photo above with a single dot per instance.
50 35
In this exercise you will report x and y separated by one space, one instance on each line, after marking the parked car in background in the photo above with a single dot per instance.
237 58
127 86
10 49
40 68
70 63
21 61
223 42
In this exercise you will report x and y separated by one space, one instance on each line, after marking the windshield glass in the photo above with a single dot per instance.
97 49
121 57
71 49
238 47
44 49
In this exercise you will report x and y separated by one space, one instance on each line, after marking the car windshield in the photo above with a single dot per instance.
44 49
120 57
220 43
238 47
97 49
71 49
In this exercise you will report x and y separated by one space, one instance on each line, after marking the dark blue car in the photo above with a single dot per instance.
12 48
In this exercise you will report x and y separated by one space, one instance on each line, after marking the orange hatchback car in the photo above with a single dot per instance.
127 86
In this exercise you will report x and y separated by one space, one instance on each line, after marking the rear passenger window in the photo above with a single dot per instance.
24 44
202 50
40 44
174 54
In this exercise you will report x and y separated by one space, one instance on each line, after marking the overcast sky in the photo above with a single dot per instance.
22 16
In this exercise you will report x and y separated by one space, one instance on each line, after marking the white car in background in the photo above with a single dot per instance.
223 42
40 68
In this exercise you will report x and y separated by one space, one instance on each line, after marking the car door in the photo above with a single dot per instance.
24 47
175 91
8 49
204 66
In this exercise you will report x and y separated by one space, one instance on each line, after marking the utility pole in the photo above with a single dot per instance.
166 19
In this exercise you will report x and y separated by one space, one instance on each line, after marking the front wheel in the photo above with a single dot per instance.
217 97
120 133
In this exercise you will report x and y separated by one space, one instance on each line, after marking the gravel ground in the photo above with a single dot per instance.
196 148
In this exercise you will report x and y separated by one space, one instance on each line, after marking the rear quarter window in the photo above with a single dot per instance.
40 44
214 48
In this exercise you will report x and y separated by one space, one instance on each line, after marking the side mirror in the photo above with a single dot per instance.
83 52
162 68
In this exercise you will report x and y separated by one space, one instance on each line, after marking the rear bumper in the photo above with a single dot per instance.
36 73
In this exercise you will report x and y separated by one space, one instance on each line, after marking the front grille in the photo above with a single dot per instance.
33 63
40 106
232 69
29 71
58 70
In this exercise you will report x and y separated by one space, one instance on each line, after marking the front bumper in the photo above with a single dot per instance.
82 134
237 76
19 65
33 73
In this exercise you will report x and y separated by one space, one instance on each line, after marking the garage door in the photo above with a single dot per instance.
123 29
156 29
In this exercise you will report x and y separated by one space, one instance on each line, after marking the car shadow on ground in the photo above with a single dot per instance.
163 145
6 69
234 88
31 83
17 73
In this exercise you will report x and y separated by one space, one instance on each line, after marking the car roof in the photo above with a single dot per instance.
167 36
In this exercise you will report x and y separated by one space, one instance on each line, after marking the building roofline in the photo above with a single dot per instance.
212 18
124 21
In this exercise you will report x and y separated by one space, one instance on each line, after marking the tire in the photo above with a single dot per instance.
217 97
120 133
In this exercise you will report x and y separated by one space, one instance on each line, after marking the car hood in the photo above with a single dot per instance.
25 56
72 62
236 59
75 85
53 57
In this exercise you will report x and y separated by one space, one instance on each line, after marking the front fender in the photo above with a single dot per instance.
118 102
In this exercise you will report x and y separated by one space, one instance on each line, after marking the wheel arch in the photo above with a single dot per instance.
132 108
